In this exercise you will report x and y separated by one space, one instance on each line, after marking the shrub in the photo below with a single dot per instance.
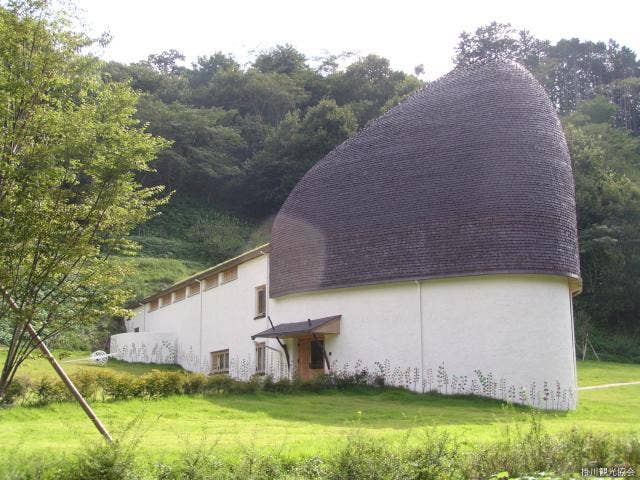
252 386
219 384
86 381
119 386
196 463
157 383
365 460
19 389
283 385
194 383
255 466
438 458
114 461
49 391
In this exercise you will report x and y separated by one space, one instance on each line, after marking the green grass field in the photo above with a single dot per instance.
37 366
304 424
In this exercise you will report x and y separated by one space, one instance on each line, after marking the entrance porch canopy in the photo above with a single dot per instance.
325 325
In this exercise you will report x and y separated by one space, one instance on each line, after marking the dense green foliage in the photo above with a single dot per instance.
70 155
244 137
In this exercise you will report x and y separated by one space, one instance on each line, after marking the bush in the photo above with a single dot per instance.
439 458
283 385
105 384
49 391
194 383
366 460
252 386
19 389
114 461
119 387
157 383
219 384
86 381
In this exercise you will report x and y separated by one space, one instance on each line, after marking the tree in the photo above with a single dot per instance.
281 59
368 85
206 67
206 149
166 62
293 148
605 162
625 94
70 151
499 41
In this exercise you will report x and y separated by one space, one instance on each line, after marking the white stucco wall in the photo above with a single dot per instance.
379 324
228 312
516 330
144 347
496 335
505 336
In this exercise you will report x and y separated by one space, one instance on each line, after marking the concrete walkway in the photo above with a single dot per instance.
608 385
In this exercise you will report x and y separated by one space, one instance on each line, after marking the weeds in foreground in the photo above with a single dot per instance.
438 456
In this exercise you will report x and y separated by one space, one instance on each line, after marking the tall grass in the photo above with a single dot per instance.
438 456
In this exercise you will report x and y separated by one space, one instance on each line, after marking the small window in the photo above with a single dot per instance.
153 305
194 289
136 330
220 361
230 274
180 295
165 300
260 358
261 301
211 282
316 359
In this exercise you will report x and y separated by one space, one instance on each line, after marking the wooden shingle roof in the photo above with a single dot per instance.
469 176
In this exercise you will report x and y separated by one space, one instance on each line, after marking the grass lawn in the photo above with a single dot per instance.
37 365
303 424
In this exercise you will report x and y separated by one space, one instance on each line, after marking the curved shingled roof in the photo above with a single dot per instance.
469 176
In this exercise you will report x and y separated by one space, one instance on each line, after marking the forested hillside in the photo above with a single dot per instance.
243 135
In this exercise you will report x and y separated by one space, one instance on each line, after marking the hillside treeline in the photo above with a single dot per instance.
243 135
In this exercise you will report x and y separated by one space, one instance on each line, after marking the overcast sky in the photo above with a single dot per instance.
408 33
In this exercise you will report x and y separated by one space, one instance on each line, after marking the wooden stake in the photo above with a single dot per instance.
67 381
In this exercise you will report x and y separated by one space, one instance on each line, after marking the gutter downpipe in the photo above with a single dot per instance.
144 316
200 359
573 337
421 335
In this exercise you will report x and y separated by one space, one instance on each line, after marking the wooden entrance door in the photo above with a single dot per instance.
310 358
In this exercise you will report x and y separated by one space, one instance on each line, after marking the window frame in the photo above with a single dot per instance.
180 294
262 289
214 362
154 305
211 282
229 275
261 352
191 291
162 300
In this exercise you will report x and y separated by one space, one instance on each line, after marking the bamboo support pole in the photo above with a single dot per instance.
62 374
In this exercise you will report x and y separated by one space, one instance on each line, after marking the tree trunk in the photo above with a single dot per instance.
8 369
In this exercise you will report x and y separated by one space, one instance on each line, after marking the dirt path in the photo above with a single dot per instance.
608 385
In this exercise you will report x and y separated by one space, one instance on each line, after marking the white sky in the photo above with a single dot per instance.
408 33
